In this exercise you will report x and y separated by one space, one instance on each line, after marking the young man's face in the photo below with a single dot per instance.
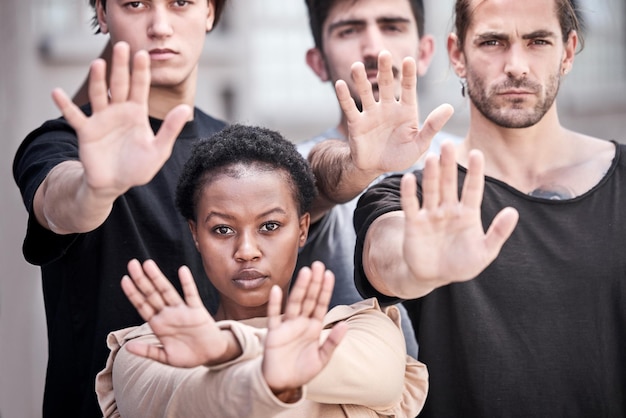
359 30
248 233
172 31
513 58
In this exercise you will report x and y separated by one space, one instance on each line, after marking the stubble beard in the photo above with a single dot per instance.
512 114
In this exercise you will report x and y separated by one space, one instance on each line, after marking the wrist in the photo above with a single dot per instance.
288 395
231 351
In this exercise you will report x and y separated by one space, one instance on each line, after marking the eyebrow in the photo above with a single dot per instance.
214 214
362 22
503 37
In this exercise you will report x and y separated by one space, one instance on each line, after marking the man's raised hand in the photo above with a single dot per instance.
385 135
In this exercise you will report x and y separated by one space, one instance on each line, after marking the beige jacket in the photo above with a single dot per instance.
369 375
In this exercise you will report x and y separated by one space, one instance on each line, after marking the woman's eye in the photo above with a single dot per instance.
270 226
223 230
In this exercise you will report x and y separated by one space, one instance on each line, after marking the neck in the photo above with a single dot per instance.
506 149
163 100
542 158
238 313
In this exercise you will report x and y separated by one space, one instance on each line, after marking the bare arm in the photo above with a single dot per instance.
383 137
116 146
443 240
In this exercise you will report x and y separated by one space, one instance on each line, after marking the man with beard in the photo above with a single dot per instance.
527 318
345 32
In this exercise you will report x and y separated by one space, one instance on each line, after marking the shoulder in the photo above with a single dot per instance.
207 122
305 146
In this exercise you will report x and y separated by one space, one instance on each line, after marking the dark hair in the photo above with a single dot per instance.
570 19
219 8
250 145
319 10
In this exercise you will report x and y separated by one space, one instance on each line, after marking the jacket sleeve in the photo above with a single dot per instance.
370 366
133 386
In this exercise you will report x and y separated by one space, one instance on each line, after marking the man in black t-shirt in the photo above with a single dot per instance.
99 186
527 318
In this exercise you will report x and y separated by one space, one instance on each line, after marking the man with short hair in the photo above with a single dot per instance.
527 318
99 186
345 32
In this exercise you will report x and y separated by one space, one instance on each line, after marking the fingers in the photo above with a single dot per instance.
362 85
500 230
140 81
150 351
190 290
430 183
440 181
149 290
137 298
435 121
346 102
120 72
97 87
449 175
325 294
474 184
171 127
75 117
386 79
298 293
327 349
408 82
158 289
408 197
273 307
311 294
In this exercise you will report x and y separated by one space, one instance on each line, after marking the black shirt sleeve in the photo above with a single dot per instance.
379 199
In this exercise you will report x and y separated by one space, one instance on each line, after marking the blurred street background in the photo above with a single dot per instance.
253 71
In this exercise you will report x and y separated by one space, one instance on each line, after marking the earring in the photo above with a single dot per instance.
463 86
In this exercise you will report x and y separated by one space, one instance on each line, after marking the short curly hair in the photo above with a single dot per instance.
250 145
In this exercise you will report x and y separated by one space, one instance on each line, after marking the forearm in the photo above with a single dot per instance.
338 179
384 263
233 349
368 367
66 204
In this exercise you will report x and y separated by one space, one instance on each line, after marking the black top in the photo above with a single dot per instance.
542 331
81 273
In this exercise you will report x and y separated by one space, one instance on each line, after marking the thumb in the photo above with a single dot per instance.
327 349
172 125
436 120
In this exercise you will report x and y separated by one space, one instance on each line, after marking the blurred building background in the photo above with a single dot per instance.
253 71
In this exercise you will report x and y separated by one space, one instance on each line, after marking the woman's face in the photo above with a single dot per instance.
248 233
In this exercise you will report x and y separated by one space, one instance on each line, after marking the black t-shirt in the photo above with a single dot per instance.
542 331
81 273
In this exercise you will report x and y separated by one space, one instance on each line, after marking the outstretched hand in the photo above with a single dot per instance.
117 147
385 135
444 239
293 353
188 334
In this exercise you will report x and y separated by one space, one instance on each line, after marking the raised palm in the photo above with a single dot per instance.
444 239
385 135
188 334
293 353
116 144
